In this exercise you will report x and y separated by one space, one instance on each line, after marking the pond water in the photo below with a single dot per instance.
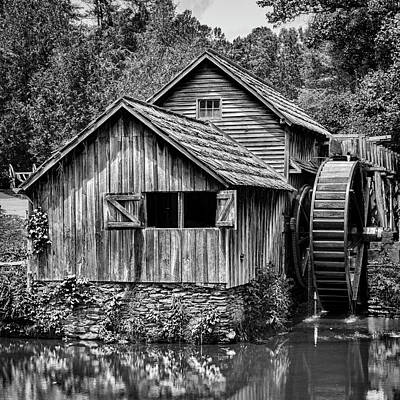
321 359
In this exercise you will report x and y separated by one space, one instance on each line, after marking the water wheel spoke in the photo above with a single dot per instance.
303 240
304 213
300 225
304 263
355 202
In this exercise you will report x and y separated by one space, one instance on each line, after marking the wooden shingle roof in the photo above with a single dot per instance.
206 145
287 110
302 165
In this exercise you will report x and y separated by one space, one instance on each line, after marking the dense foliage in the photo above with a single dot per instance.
267 301
60 67
38 311
38 230
12 238
352 69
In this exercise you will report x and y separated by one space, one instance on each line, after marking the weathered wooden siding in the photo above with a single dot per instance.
259 239
301 145
123 156
243 117
184 255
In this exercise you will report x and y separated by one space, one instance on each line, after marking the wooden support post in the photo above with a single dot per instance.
379 199
391 216
367 190
398 207
30 257
368 150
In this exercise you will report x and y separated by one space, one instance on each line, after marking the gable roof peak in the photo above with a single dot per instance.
288 111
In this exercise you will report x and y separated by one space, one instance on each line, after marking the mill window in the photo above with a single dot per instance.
181 210
162 210
209 108
199 209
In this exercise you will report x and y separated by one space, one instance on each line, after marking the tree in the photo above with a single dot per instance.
287 73
97 67
351 27
351 78
30 30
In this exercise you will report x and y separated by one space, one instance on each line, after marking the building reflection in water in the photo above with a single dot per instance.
288 367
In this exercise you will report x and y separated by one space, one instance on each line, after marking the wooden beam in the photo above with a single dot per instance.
379 199
380 138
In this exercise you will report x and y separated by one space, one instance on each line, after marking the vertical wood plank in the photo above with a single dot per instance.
176 256
198 260
84 266
91 258
67 239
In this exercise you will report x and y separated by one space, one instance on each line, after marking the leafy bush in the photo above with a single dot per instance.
267 301
113 326
173 326
16 303
38 312
203 329
38 230
74 291
169 326
12 238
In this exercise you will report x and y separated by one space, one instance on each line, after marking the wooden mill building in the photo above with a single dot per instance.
246 108
196 186
146 195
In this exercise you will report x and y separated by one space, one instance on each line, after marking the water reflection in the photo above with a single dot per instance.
345 363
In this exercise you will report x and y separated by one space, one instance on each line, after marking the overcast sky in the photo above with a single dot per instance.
234 17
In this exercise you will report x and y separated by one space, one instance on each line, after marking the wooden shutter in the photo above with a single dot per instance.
226 209
122 211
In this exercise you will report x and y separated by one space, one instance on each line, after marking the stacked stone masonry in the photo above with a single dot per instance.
144 300
383 265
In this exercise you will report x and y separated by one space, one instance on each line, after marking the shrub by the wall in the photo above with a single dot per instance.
16 303
268 301
36 312
12 238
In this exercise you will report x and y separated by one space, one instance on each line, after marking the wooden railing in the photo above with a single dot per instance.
370 152
16 178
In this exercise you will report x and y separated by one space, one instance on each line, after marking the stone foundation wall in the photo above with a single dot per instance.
381 300
144 301
383 276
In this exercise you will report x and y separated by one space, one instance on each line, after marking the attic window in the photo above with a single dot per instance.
209 108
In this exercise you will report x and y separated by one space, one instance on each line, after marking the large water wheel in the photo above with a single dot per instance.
338 217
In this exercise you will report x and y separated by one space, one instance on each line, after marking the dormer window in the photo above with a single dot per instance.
209 109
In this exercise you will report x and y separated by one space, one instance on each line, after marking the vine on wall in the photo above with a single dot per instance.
38 230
